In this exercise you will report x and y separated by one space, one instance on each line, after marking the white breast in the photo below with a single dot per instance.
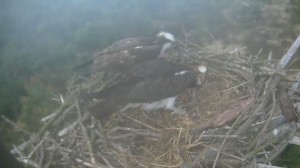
168 103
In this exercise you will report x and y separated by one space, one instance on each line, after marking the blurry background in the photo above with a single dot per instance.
41 41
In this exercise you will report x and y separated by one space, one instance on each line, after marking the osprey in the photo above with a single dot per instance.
126 53
153 84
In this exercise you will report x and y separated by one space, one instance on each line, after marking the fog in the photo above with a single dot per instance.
42 41
46 30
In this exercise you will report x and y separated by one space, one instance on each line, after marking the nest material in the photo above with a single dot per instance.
233 120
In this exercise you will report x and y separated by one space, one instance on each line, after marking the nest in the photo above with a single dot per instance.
243 114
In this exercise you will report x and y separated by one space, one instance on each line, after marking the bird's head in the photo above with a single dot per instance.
167 41
167 36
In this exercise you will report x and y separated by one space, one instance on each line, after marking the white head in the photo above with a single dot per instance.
166 35
202 69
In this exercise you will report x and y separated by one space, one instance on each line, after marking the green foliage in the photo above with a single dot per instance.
36 105
295 8
8 96
11 89
289 158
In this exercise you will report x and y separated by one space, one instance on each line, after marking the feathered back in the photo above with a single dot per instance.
148 82
104 109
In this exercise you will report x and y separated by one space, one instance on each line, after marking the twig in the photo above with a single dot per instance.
295 85
36 147
105 160
273 82
24 159
15 125
224 153
132 132
223 142
273 109
89 164
86 136
143 124
59 111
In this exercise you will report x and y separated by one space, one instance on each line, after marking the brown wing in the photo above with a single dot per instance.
126 44
123 54
148 82
125 59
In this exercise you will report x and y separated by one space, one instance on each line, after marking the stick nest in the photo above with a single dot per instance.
236 118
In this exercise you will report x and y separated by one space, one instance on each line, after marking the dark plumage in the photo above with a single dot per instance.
126 53
144 83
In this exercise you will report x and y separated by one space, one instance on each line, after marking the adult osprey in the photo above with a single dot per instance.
126 53
153 84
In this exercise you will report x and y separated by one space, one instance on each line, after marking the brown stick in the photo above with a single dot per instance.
273 82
